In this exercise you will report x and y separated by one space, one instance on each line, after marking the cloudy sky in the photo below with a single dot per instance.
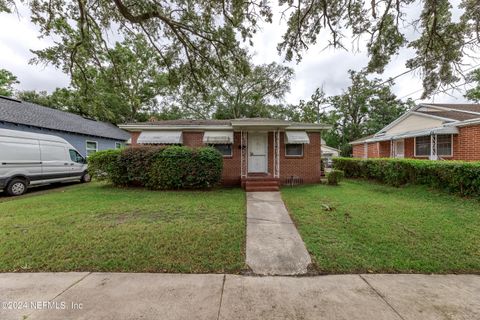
319 67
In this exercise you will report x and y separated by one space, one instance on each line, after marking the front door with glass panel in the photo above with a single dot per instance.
257 152
399 149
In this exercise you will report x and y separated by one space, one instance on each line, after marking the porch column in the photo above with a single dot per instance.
277 154
433 147
392 148
243 154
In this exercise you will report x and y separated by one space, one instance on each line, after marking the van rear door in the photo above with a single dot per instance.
19 156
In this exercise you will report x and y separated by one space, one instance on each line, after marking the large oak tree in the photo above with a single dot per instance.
195 38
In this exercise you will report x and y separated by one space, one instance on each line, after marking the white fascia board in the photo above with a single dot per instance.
463 123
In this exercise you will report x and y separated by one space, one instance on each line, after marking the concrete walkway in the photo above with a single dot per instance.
215 296
274 246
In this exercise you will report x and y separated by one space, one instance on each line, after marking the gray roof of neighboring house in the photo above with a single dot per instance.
473 107
31 114
454 115
362 139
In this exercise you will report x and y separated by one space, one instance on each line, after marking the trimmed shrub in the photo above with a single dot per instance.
172 167
334 177
104 165
453 176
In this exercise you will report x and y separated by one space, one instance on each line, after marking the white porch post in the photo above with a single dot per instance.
392 148
433 147
243 152
277 157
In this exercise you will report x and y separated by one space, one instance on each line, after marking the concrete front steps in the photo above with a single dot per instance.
258 183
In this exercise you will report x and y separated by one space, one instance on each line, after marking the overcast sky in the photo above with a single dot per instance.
319 67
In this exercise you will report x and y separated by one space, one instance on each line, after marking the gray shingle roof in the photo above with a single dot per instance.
474 107
31 114
454 115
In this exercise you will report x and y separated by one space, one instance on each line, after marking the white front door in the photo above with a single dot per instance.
399 149
257 152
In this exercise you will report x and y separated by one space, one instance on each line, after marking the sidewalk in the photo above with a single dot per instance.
274 246
216 296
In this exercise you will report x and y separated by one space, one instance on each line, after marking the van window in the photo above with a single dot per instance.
76 157
53 153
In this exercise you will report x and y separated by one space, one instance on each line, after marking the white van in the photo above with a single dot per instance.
28 159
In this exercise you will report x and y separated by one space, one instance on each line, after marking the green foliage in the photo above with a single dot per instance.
364 227
105 165
97 227
172 167
453 176
193 42
7 80
120 86
334 177
474 93
364 108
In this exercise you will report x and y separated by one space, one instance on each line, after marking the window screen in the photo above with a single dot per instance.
294 149
422 146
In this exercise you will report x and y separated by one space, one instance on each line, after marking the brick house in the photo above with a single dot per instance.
427 131
259 154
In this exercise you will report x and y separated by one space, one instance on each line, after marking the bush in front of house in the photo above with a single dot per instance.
334 177
453 176
105 165
172 167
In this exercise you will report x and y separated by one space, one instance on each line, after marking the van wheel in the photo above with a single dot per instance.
17 187
86 177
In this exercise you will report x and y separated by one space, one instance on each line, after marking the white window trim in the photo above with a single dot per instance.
426 156
86 146
296 155
224 155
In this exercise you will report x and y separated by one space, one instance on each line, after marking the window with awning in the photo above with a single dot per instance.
296 137
160 137
218 137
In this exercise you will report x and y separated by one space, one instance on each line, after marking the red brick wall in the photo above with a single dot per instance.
373 150
306 167
468 142
358 150
384 149
134 137
231 165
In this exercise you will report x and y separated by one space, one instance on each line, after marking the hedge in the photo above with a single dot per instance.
453 176
171 167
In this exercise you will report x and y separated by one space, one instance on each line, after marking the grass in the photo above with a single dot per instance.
361 226
96 227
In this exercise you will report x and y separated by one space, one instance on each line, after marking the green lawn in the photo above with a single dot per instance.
95 227
376 228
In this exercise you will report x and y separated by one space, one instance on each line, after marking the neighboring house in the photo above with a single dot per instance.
329 152
258 153
427 131
86 135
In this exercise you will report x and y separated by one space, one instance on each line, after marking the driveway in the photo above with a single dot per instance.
76 296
